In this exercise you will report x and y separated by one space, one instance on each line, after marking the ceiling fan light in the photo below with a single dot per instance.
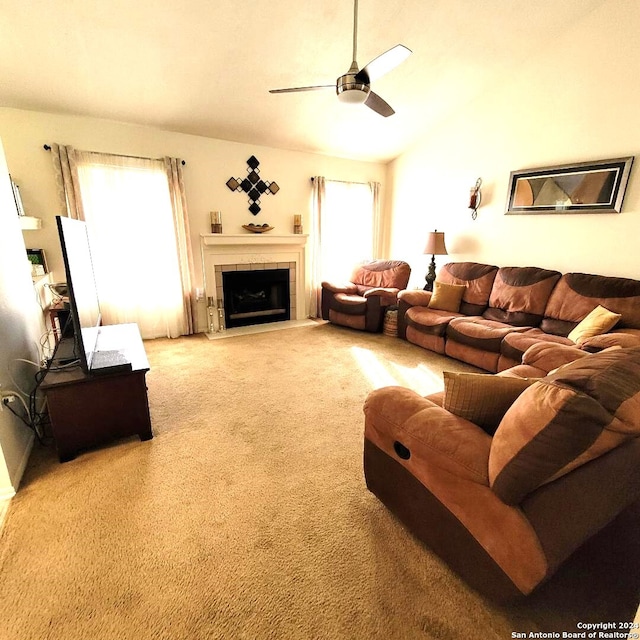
350 90
352 96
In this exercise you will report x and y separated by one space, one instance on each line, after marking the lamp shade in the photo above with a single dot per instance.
435 244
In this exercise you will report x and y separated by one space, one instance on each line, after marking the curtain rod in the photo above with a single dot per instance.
47 147
341 181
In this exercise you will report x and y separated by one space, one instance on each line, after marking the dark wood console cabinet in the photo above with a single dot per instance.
87 410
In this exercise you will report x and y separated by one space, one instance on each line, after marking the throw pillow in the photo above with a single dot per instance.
446 297
482 398
600 320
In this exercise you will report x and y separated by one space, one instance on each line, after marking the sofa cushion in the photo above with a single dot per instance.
596 322
585 409
480 333
481 398
476 277
519 295
446 297
349 303
576 294
515 344
429 321
382 273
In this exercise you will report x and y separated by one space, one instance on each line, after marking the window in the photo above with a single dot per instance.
127 207
346 228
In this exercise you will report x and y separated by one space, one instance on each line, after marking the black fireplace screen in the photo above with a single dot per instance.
255 297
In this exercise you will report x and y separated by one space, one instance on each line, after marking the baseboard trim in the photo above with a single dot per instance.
264 328
16 477
7 494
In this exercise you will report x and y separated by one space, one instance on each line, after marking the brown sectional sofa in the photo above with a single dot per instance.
505 509
506 310
506 501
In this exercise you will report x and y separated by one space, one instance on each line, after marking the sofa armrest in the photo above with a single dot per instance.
449 458
548 356
406 299
431 434
623 338
382 291
387 295
343 287
415 297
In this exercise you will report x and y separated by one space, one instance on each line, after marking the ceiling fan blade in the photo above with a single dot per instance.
375 102
383 63
315 88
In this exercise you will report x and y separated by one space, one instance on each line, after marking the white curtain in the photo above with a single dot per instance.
379 236
128 210
317 207
67 184
173 168
346 230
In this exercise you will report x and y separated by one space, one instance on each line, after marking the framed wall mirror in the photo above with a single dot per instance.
586 187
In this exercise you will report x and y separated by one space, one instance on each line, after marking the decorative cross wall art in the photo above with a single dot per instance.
253 185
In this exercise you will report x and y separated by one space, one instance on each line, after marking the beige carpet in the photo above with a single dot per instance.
247 515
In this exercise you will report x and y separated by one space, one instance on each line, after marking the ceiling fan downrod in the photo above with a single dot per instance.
355 33
349 89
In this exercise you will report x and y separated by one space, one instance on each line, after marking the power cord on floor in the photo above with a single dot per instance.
35 414
36 417
35 421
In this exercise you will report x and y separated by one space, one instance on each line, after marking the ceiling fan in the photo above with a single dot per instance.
355 85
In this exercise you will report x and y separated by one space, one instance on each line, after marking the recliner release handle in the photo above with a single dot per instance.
401 450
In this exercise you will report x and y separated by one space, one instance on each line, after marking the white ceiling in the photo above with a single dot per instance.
204 67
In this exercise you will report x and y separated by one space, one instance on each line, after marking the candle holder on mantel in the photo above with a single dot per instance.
216 222
221 317
297 224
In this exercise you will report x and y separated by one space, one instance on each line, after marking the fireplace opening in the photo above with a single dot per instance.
255 297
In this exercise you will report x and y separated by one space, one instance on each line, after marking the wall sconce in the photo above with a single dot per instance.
475 198
436 247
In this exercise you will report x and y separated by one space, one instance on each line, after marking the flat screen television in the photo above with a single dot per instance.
83 296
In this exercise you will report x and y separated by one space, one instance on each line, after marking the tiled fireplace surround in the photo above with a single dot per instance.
253 252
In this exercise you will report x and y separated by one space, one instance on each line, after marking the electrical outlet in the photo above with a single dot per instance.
5 397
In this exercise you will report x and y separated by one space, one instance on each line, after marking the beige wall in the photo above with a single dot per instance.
575 101
210 163
20 330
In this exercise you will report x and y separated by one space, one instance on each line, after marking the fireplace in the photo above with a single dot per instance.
223 253
256 296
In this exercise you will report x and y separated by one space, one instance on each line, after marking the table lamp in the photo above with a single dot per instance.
436 247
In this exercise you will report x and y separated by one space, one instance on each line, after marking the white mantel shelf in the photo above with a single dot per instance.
217 239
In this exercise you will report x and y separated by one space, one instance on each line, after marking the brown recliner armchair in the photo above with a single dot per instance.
361 302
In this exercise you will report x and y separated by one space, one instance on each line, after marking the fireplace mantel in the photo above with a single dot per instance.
254 250
252 239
